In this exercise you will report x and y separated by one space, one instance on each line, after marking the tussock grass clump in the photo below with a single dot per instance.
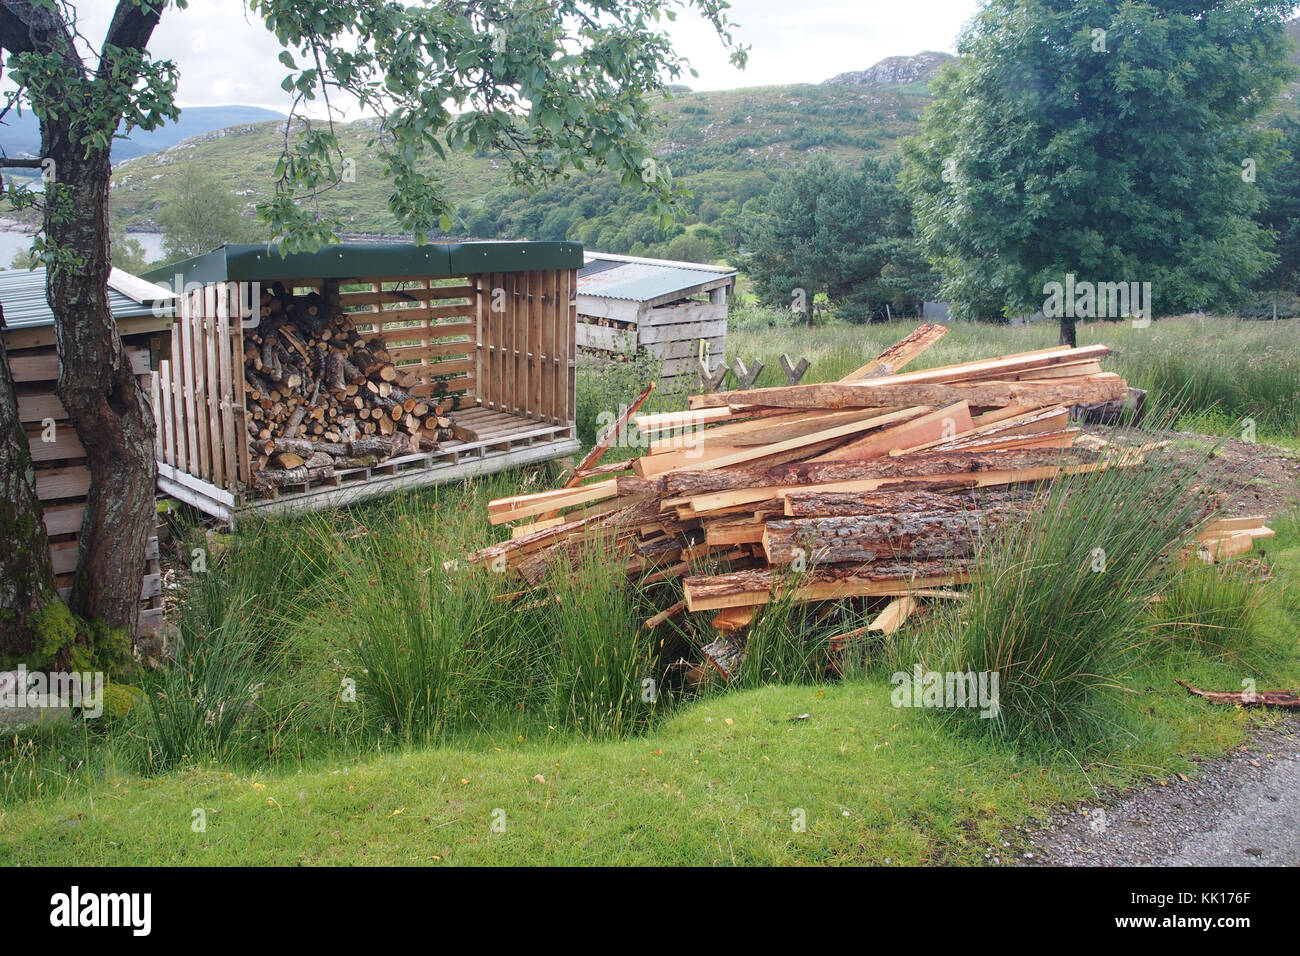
439 650
1218 608
605 678
431 655
1060 601
237 687
785 645
196 707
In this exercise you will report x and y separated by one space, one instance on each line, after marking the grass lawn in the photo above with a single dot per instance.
504 767
719 782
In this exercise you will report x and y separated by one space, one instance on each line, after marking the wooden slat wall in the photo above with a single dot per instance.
61 476
200 400
568 323
518 358
526 343
428 326
670 333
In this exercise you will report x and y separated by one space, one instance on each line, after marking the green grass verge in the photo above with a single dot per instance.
720 782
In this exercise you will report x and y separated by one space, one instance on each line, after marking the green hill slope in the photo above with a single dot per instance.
723 146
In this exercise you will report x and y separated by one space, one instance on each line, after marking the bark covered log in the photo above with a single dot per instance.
1285 699
948 532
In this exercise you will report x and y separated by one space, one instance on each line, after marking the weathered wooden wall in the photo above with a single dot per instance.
62 478
671 333
526 344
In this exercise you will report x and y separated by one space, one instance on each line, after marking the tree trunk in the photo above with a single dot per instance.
26 575
108 408
1067 331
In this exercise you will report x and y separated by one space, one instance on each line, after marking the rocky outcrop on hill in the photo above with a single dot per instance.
897 69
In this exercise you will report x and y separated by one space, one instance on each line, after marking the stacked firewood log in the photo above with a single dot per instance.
880 486
322 396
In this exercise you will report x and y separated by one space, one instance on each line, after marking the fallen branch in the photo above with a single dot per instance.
1287 699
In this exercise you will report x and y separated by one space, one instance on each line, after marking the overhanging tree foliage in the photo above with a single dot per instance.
1110 139
551 84
841 232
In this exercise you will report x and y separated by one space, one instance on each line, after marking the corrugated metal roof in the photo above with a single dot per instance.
22 293
642 281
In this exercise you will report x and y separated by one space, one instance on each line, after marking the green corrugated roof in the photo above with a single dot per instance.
22 293
367 260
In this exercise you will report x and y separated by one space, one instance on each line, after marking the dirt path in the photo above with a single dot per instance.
1239 810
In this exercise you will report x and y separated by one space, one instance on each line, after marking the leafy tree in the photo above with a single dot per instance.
548 84
23 259
200 214
1280 184
127 253
1106 139
693 247
832 230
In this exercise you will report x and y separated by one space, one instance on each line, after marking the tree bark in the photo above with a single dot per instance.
946 532
26 575
109 410
1067 332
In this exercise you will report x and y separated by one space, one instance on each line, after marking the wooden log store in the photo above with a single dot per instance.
143 312
312 380
628 304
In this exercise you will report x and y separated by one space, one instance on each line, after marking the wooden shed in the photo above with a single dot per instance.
143 312
312 380
626 304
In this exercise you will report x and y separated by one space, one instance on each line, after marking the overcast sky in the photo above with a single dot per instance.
226 57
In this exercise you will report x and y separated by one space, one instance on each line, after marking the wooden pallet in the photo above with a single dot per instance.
497 441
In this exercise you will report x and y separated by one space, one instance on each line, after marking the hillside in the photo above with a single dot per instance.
724 146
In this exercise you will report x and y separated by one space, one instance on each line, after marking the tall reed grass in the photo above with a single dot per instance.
1059 607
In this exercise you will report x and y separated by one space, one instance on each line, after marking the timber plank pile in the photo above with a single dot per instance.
879 486
321 396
